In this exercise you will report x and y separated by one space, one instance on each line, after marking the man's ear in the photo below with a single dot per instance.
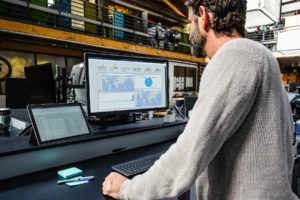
204 18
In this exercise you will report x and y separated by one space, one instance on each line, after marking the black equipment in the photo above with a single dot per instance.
293 87
63 84
189 102
40 84
58 81
16 93
172 39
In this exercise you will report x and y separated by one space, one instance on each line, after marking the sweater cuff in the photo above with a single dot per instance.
123 191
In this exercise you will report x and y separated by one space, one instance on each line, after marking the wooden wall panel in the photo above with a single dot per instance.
92 40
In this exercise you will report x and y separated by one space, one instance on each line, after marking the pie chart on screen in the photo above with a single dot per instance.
148 82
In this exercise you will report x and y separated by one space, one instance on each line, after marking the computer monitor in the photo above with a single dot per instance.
119 84
40 84
189 102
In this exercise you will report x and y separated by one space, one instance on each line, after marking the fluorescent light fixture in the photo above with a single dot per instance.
262 12
288 42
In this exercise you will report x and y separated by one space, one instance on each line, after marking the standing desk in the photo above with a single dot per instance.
43 184
29 171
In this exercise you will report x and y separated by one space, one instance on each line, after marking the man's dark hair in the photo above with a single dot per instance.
227 14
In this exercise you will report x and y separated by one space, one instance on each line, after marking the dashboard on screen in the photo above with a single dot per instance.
125 84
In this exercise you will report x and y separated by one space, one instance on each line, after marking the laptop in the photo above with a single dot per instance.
54 123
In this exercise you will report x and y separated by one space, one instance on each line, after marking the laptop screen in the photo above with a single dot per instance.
52 122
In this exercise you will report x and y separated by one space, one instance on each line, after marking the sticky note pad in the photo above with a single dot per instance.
70 172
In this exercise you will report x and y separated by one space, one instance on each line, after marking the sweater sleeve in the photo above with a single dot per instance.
228 89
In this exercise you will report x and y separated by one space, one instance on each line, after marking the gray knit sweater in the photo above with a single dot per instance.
238 143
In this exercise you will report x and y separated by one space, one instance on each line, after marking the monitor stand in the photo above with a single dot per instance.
104 122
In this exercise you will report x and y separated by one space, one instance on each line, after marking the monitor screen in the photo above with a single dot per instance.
40 84
125 84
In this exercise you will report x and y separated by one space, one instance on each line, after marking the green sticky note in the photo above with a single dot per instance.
70 172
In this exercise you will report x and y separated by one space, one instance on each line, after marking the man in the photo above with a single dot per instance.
238 143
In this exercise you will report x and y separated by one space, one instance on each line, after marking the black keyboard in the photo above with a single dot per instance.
138 166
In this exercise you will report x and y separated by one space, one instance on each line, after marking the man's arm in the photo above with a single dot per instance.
228 90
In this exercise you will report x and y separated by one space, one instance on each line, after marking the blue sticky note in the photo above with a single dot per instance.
76 183
70 172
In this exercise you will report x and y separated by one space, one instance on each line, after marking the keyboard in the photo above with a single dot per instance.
137 166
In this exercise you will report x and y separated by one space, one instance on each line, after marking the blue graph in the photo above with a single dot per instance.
148 82
149 98
117 83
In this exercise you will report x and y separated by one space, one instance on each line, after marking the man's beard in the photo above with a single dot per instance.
198 42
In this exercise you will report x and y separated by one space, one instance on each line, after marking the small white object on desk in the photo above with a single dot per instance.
169 117
150 114
18 123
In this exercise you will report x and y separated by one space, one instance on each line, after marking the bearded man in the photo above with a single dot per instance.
238 143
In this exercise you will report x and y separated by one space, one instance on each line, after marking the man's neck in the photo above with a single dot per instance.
215 41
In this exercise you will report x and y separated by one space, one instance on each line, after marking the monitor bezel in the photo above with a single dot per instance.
35 128
131 58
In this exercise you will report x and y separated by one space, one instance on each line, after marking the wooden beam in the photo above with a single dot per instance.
174 8
52 33
34 48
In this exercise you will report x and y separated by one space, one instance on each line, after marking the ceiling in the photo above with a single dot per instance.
287 64
164 8
179 4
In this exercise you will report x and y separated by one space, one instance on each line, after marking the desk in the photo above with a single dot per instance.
43 185
29 171
16 151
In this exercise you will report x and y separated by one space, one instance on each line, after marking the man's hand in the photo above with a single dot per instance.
112 185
